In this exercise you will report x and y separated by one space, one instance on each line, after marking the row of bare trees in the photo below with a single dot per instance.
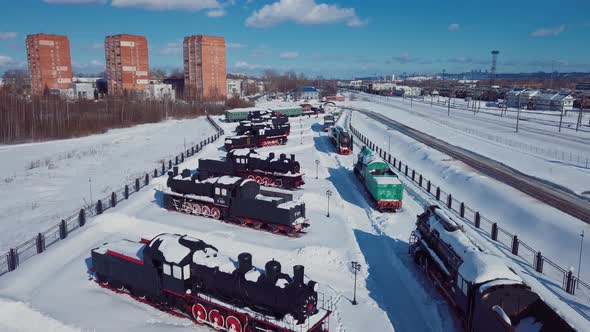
275 82
38 118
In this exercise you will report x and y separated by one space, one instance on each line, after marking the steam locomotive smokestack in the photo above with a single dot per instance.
272 270
283 156
271 155
175 170
244 262
298 271
292 157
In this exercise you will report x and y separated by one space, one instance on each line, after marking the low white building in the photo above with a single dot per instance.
383 86
552 101
234 87
306 93
83 90
408 91
159 91
520 98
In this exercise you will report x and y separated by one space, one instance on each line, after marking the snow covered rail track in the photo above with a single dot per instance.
549 193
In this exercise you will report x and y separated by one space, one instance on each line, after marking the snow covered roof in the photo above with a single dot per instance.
226 180
242 152
173 251
478 266
125 247
384 180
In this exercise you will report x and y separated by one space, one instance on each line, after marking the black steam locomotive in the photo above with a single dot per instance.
488 295
279 172
268 135
235 200
249 127
187 277
341 139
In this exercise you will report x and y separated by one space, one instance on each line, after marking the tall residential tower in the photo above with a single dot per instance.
127 63
204 68
50 65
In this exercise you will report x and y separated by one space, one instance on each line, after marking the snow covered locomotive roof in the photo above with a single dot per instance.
477 266
383 180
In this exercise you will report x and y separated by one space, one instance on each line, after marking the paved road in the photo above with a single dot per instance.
554 195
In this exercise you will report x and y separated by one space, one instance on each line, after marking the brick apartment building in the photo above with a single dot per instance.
204 68
50 64
127 65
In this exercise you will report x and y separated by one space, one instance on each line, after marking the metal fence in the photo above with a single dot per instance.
509 242
77 219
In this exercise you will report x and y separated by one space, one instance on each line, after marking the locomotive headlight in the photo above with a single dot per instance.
313 285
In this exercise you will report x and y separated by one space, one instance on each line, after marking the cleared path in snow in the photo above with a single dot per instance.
551 194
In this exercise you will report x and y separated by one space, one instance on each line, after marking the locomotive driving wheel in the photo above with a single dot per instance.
267 181
216 319
199 313
233 324
205 210
215 213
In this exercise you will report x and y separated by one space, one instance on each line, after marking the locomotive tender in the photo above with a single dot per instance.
329 122
341 139
187 277
381 182
235 200
488 295
279 172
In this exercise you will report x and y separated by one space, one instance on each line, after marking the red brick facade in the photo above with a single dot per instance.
127 63
50 65
205 68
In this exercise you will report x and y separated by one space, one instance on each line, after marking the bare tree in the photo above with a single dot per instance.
157 73
16 81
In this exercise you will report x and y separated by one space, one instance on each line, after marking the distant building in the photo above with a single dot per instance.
551 101
383 86
520 97
260 86
407 91
127 63
306 93
177 86
583 87
50 65
234 87
205 68
161 91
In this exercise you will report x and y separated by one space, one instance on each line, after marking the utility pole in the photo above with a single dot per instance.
580 114
356 267
580 259
90 189
561 116
317 163
518 112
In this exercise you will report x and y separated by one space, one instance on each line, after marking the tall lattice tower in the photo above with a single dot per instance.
494 62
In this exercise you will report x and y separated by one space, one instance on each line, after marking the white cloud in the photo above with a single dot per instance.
289 55
235 45
97 46
171 49
69 2
6 60
302 12
247 66
543 32
8 35
192 5
216 12
454 27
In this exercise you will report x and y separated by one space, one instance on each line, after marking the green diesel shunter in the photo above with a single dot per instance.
380 181
293 111
236 115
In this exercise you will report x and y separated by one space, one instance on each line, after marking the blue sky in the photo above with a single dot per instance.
334 38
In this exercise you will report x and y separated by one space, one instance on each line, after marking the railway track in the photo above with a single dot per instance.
551 194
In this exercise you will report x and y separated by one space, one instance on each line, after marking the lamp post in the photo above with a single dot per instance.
356 267
317 163
328 194
580 259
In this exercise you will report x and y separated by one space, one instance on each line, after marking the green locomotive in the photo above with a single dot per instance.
380 181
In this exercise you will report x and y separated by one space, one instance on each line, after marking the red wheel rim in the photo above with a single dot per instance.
216 319
215 213
233 324
196 209
259 179
199 313
266 181
251 177
205 210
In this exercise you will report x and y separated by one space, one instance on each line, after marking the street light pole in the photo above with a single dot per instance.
328 194
580 259
356 267
317 163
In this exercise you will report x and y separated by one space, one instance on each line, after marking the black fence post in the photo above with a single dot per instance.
394 161
175 170
82 217
63 231
176 160
413 175
192 150
462 210
539 262
495 232
399 166
515 244
420 181
113 199
450 201
169 164
137 184
155 172
126 192
428 185
570 282
477 219
406 171
438 193
40 243
146 179
99 207
182 157
12 260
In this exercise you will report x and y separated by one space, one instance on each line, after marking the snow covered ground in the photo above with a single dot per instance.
535 149
53 290
44 182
